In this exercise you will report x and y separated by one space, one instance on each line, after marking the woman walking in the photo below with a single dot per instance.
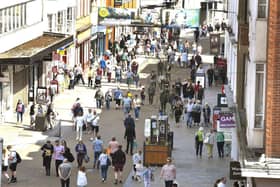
104 163
81 151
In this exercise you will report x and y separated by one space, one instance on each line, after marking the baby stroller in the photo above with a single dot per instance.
97 82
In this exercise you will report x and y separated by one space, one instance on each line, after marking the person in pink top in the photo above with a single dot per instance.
113 146
168 173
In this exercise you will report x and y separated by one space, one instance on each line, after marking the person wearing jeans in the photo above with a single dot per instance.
220 139
97 146
137 106
103 162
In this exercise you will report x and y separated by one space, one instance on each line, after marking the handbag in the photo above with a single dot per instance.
86 158
206 140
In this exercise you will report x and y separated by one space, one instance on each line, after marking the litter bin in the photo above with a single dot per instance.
41 123
170 137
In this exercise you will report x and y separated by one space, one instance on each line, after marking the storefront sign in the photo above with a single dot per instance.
82 22
117 2
227 120
182 17
83 36
114 16
216 112
235 171
201 78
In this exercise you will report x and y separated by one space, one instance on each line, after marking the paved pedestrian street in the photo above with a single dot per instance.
191 171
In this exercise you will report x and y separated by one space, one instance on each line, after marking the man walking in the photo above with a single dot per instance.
210 75
130 136
199 137
118 160
97 146
64 172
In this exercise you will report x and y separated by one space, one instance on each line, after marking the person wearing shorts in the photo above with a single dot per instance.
12 163
119 160
5 164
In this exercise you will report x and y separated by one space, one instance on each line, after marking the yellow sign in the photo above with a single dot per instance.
103 12
82 22
84 35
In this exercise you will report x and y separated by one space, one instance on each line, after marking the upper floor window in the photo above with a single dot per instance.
262 5
12 18
259 95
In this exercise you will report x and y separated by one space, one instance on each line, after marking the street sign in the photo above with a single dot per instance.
235 171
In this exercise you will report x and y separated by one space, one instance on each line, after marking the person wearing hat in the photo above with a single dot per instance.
199 137
168 173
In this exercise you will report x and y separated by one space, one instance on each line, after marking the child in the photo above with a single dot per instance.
139 169
147 176
135 158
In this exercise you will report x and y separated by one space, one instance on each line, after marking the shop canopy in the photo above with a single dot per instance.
36 49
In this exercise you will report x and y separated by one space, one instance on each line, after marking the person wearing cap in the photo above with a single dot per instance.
64 172
168 173
47 151
199 137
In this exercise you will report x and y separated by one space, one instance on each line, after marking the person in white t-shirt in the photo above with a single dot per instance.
95 124
223 182
79 125
82 177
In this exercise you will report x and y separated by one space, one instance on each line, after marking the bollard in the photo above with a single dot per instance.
1 148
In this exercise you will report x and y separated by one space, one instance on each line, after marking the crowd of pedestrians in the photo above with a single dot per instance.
185 96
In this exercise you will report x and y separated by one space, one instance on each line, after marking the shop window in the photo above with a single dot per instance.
262 8
259 95
49 22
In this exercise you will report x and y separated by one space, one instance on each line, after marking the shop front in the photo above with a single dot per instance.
23 69
83 36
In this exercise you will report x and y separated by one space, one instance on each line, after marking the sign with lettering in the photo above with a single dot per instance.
227 120
235 171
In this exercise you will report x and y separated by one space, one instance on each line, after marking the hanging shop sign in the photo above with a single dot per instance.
118 3
114 16
235 171
184 18
227 120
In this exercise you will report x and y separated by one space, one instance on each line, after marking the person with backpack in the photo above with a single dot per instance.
108 98
199 137
13 159
20 109
104 162
47 152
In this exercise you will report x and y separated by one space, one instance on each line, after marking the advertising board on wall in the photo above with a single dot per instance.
185 18
115 16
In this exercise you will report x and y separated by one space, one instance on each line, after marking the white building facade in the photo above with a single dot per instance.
256 73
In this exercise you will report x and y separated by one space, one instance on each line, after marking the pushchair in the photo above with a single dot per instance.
97 82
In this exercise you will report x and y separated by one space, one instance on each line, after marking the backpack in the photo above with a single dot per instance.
18 158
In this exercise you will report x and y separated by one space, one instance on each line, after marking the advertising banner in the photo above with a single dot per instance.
227 120
184 18
114 16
